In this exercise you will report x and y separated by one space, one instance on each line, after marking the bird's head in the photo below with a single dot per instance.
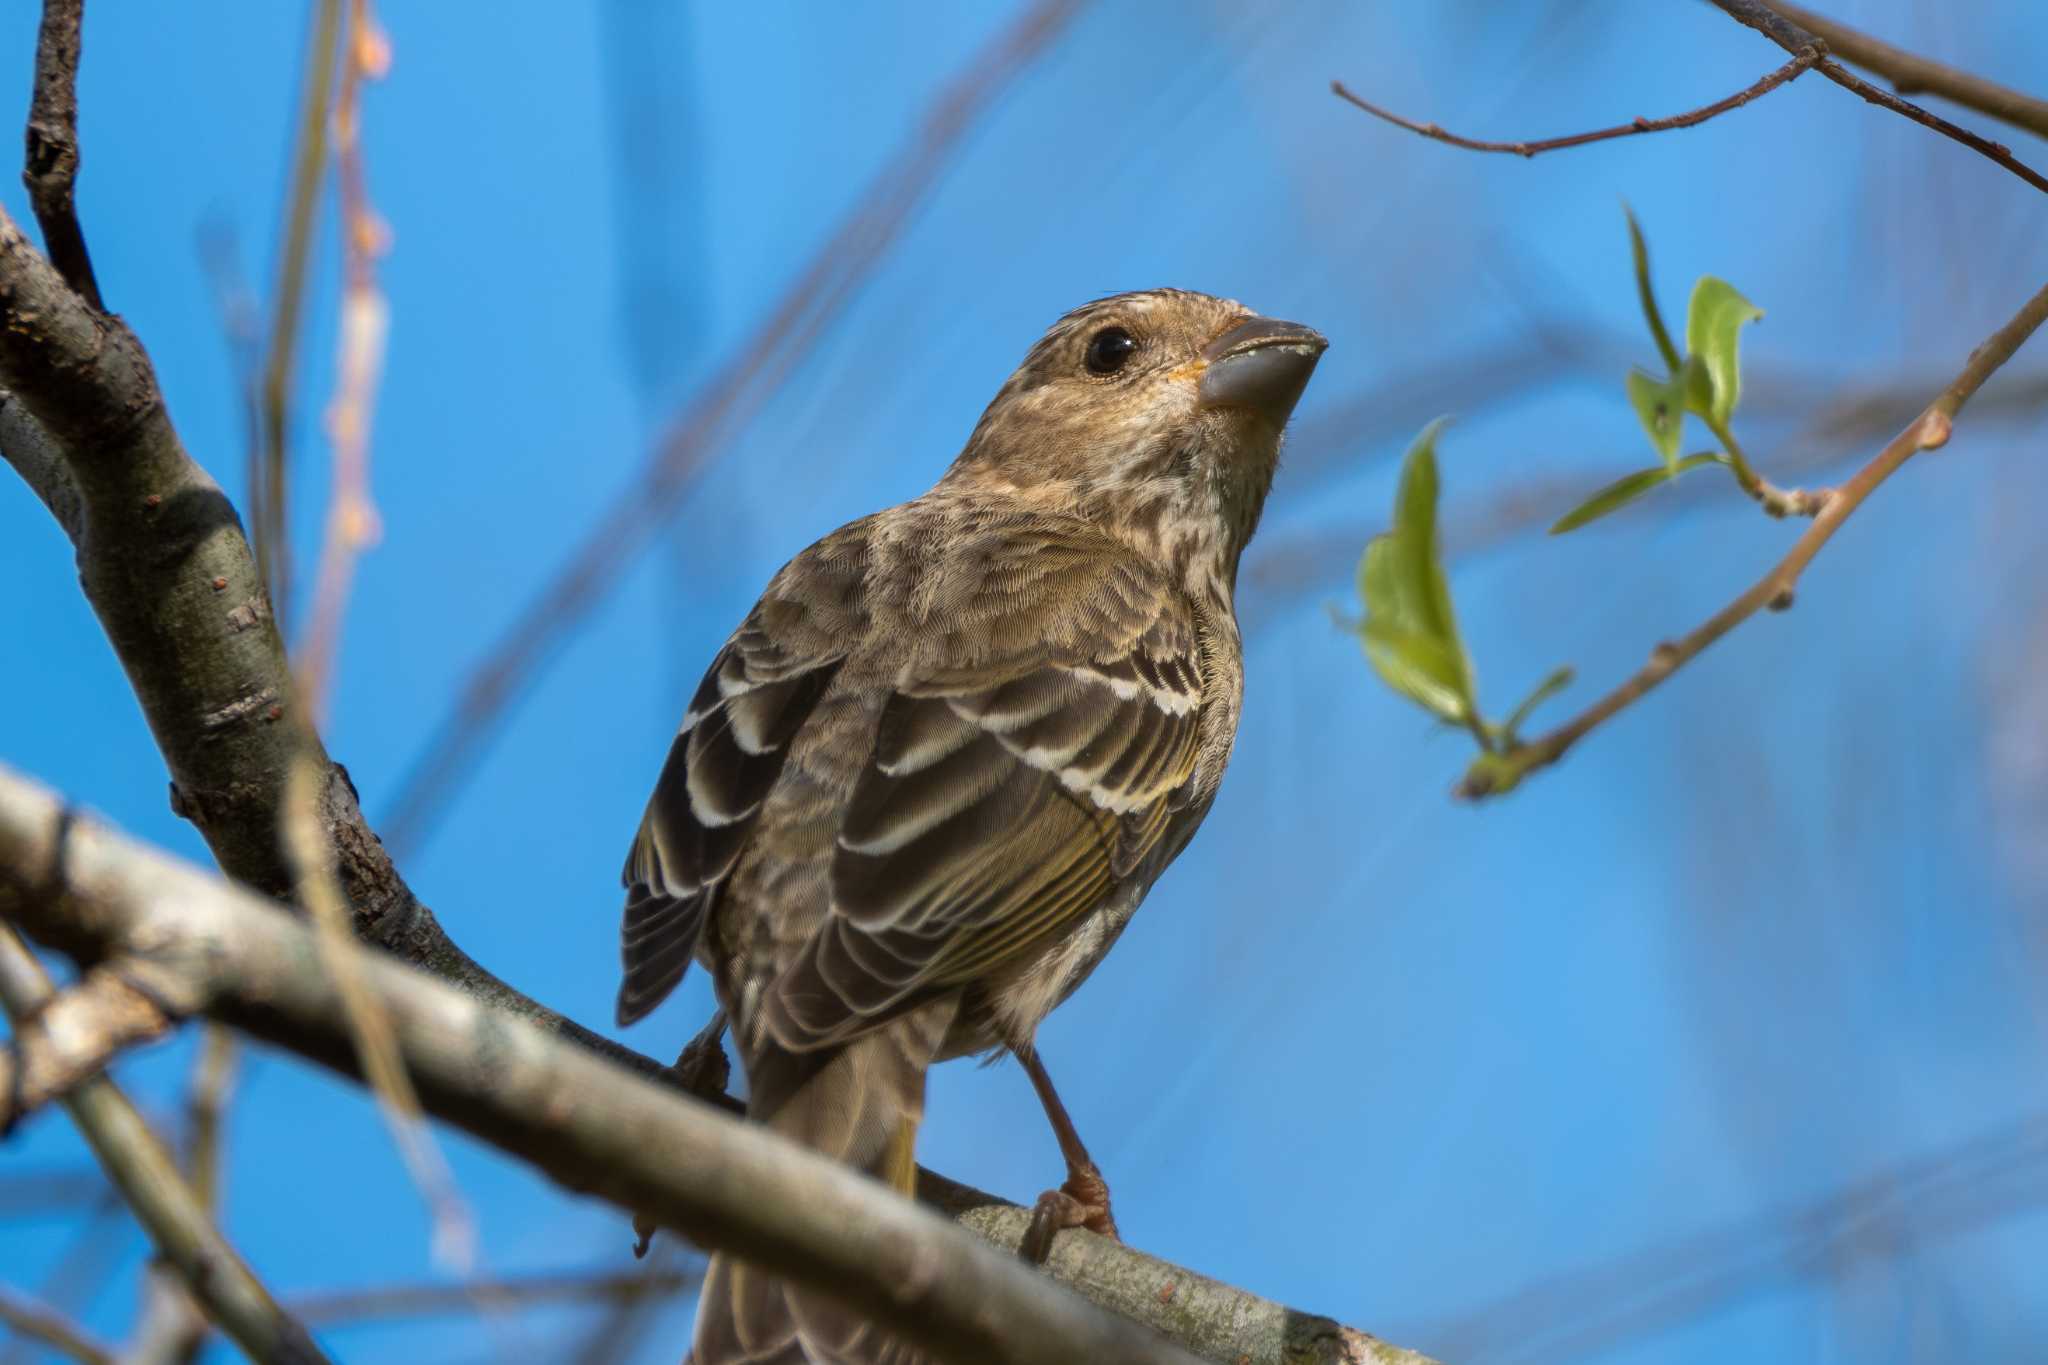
1157 413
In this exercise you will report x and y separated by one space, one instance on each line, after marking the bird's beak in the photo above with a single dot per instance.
1260 364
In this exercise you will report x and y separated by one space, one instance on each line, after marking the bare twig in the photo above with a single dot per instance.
268 473
352 524
1795 39
43 1323
139 1165
1930 430
1788 72
522 1291
755 372
51 169
604 1132
1912 74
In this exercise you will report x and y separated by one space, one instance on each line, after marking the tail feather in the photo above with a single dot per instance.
862 1107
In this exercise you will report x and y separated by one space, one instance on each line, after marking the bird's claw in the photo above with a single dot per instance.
1082 1202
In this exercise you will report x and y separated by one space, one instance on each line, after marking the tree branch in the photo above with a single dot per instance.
1493 773
184 1235
1785 74
42 1323
1912 74
518 1292
73 1038
51 168
598 1130
1795 39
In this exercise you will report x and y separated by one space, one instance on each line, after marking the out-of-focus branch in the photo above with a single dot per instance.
1790 71
754 373
51 169
162 1200
1929 431
1912 74
516 1292
1795 39
42 1323
598 1130
73 1038
269 476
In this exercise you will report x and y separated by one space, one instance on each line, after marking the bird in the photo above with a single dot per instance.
924 785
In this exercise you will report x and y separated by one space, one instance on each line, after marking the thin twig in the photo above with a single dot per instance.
375 1038
754 373
352 523
1912 74
268 480
43 1323
51 170
523 1291
1795 39
155 1189
1930 430
1783 75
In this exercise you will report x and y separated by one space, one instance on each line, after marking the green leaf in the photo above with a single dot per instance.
1660 405
1627 489
1557 682
1647 294
1410 631
1713 325
1422 668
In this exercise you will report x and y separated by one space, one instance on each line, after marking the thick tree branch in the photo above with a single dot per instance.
1912 74
1493 773
1783 75
150 1181
589 1125
1795 39
51 168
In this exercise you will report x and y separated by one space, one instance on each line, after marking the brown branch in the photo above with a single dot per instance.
1912 74
1785 74
1796 39
597 1130
42 1323
1497 772
754 373
136 1161
51 168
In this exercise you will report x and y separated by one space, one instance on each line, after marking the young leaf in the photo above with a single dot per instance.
1713 324
1647 294
1557 682
1627 489
1410 632
1660 405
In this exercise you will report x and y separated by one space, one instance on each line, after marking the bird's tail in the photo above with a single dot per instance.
861 1107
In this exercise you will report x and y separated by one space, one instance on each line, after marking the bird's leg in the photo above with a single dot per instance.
704 1071
1083 1200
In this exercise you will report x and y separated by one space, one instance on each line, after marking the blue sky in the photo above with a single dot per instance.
1771 935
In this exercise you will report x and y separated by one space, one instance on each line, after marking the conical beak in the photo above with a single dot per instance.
1261 364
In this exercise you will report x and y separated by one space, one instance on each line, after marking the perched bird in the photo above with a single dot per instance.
928 779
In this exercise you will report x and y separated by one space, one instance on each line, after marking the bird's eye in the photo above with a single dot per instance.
1109 350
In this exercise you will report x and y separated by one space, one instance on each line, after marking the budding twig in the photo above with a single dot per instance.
1498 772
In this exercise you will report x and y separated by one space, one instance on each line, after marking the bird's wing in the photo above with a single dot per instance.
1025 762
726 758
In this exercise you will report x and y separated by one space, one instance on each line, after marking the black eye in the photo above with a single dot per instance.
1109 350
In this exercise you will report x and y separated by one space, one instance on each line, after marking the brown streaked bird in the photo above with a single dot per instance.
928 779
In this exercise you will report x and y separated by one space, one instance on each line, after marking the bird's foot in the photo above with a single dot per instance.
1082 1202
